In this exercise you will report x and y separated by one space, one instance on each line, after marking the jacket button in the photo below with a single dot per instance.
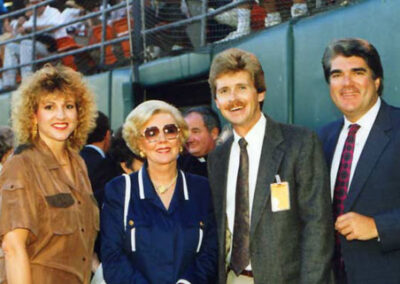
131 223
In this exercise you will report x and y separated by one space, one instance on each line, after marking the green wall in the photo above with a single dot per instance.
5 110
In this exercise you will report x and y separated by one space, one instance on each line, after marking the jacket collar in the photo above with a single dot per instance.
146 188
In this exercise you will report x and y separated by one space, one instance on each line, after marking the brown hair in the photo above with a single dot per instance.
44 82
234 60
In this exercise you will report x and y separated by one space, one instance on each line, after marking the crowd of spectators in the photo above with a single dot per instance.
222 27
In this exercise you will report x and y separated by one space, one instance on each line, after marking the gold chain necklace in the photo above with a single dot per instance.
161 189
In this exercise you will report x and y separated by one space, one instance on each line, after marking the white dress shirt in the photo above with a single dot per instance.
254 138
365 122
50 17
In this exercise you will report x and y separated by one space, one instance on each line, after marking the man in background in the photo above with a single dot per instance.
100 166
204 128
16 52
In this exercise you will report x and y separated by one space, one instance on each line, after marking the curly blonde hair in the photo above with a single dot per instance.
46 81
140 115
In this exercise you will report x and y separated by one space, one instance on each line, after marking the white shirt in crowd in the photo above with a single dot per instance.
50 17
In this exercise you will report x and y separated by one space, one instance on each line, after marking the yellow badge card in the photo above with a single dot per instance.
280 196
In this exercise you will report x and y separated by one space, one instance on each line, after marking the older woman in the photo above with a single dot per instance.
48 218
157 224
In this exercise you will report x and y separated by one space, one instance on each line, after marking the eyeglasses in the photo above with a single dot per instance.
152 133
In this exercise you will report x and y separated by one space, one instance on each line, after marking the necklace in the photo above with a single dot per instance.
161 189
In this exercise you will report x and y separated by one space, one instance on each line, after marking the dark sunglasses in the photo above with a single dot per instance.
152 133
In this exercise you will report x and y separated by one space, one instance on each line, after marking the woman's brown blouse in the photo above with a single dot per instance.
61 215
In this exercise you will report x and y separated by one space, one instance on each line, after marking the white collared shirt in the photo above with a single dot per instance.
365 122
254 138
101 152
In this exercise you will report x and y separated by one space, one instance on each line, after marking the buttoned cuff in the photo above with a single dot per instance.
183 281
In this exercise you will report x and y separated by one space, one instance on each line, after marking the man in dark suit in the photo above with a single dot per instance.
204 127
101 167
281 230
363 152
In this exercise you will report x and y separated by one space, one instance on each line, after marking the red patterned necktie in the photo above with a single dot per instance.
342 185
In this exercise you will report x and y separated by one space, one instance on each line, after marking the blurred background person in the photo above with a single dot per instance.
204 127
47 17
158 224
3 10
121 154
240 17
101 167
47 206
6 144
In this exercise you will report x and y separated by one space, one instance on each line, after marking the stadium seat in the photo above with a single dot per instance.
258 14
121 28
110 57
65 44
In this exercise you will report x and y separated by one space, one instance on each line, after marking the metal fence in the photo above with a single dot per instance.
151 29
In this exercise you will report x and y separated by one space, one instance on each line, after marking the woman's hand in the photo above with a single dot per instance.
17 262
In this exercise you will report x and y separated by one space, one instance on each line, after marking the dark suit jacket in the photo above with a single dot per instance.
191 164
293 246
101 170
375 192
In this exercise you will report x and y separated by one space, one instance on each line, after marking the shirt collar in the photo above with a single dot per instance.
368 119
101 152
47 155
202 159
256 132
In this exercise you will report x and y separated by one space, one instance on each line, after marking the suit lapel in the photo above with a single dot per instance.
375 144
270 160
331 141
220 172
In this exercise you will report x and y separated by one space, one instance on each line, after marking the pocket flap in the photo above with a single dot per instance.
12 185
60 200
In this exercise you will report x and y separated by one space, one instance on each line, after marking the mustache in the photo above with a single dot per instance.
349 89
235 103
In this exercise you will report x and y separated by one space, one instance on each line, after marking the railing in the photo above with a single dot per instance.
192 27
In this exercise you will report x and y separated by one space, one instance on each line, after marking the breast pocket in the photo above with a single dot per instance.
62 213
139 236
193 235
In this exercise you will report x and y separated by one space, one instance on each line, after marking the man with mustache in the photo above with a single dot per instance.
270 186
363 150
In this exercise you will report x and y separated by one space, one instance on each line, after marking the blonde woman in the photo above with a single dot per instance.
48 217
158 224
